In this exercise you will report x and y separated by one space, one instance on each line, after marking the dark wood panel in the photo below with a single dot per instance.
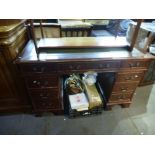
46 105
125 86
121 97
13 96
45 81
44 99
97 65
129 76
47 94
5 81
132 64
40 68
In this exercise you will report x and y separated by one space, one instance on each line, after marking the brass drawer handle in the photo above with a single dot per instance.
136 76
36 82
70 67
39 83
107 65
120 97
37 69
100 65
124 89
132 77
44 95
128 78
42 69
78 67
137 64
131 65
104 66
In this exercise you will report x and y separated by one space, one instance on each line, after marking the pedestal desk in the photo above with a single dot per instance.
119 70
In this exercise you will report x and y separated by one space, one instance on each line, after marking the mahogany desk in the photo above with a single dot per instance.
119 71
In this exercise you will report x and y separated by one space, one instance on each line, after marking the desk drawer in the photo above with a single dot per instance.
44 105
45 98
89 65
134 64
44 94
127 76
42 82
124 87
38 68
121 97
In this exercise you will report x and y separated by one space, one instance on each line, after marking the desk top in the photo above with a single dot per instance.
79 49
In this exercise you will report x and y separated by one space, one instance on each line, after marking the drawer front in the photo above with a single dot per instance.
38 68
42 82
134 64
125 87
120 97
45 98
44 94
89 65
126 77
44 105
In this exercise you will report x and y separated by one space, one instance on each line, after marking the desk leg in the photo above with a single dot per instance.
38 114
108 108
125 105
59 112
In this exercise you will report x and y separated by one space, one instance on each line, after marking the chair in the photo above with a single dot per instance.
75 28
